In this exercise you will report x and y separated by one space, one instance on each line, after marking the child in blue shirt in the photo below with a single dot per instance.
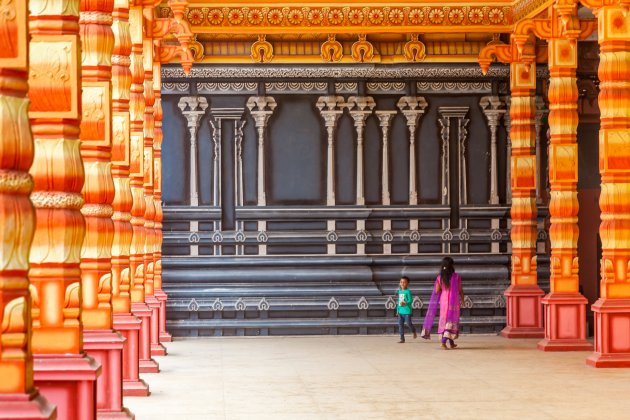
403 310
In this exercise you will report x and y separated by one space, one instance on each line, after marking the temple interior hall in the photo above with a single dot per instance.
236 209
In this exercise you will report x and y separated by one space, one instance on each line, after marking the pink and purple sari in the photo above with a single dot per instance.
448 301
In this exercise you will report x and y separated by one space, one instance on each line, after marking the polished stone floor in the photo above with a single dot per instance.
373 377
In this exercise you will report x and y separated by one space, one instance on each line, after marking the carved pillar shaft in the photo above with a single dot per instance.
360 107
17 218
540 113
524 310
508 149
445 124
384 118
490 106
158 136
97 40
193 108
329 108
261 108
412 108
612 344
124 322
58 174
565 307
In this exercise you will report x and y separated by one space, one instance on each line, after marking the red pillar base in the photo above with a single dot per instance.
565 323
106 347
612 334
524 312
129 326
147 364
165 337
31 406
69 382
157 349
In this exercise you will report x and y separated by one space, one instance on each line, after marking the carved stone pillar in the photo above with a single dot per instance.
612 310
565 307
524 316
457 113
384 119
331 108
359 108
491 107
261 108
124 321
137 172
541 112
99 339
18 394
164 336
193 108
412 107
63 373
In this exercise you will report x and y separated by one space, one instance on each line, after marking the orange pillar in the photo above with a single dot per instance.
612 310
63 373
18 396
565 307
156 349
136 169
99 339
524 314
124 321
164 336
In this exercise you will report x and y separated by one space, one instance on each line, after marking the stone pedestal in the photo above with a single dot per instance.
524 312
129 326
164 335
157 349
565 327
612 322
106 347
69 382
31 406
147 364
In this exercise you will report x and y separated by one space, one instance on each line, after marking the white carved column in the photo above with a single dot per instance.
384 118
261 108
359 108
330 107
541 112
412 108
491 107
215 126
193 108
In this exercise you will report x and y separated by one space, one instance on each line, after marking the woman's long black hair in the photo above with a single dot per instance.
447 271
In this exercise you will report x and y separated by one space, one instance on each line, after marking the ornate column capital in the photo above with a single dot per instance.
412 107
193 108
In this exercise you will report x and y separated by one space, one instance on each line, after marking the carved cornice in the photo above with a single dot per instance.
372 71
359 18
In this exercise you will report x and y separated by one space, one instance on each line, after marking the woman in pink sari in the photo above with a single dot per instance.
447 294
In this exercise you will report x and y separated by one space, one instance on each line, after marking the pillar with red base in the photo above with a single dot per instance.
127 324
18 396
524 310
62 371
565 307
137 173
612 310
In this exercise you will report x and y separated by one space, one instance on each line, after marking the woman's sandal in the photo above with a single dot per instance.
444 347
453 345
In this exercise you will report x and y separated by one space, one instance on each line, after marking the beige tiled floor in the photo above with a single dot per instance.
373 377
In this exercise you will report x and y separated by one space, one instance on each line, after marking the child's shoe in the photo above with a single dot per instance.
402 341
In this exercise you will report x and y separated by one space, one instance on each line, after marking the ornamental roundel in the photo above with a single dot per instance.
357 16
